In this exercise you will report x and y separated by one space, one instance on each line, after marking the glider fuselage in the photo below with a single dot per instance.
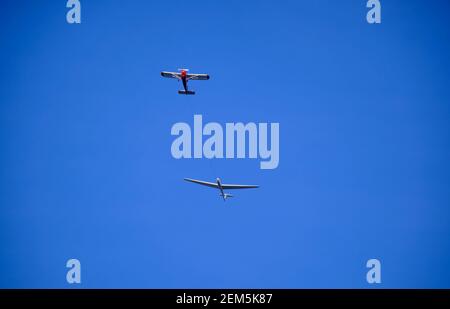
219 184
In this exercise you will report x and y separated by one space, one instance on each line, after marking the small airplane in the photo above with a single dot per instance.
185 77
219 185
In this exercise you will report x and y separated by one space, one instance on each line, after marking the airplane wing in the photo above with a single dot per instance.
171 75
197 76
228 187
205 183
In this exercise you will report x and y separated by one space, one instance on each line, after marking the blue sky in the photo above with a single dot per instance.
86 169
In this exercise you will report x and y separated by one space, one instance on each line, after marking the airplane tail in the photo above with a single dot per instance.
185 92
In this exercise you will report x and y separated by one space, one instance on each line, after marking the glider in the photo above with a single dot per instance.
184 76
219 185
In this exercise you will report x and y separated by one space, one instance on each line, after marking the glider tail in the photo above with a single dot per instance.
186 92
226 195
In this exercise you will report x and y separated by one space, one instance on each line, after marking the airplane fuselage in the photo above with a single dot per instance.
184 79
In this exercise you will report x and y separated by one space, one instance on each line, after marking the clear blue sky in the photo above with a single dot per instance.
86 170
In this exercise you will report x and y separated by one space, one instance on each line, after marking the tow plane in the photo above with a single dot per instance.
219 185
184 76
